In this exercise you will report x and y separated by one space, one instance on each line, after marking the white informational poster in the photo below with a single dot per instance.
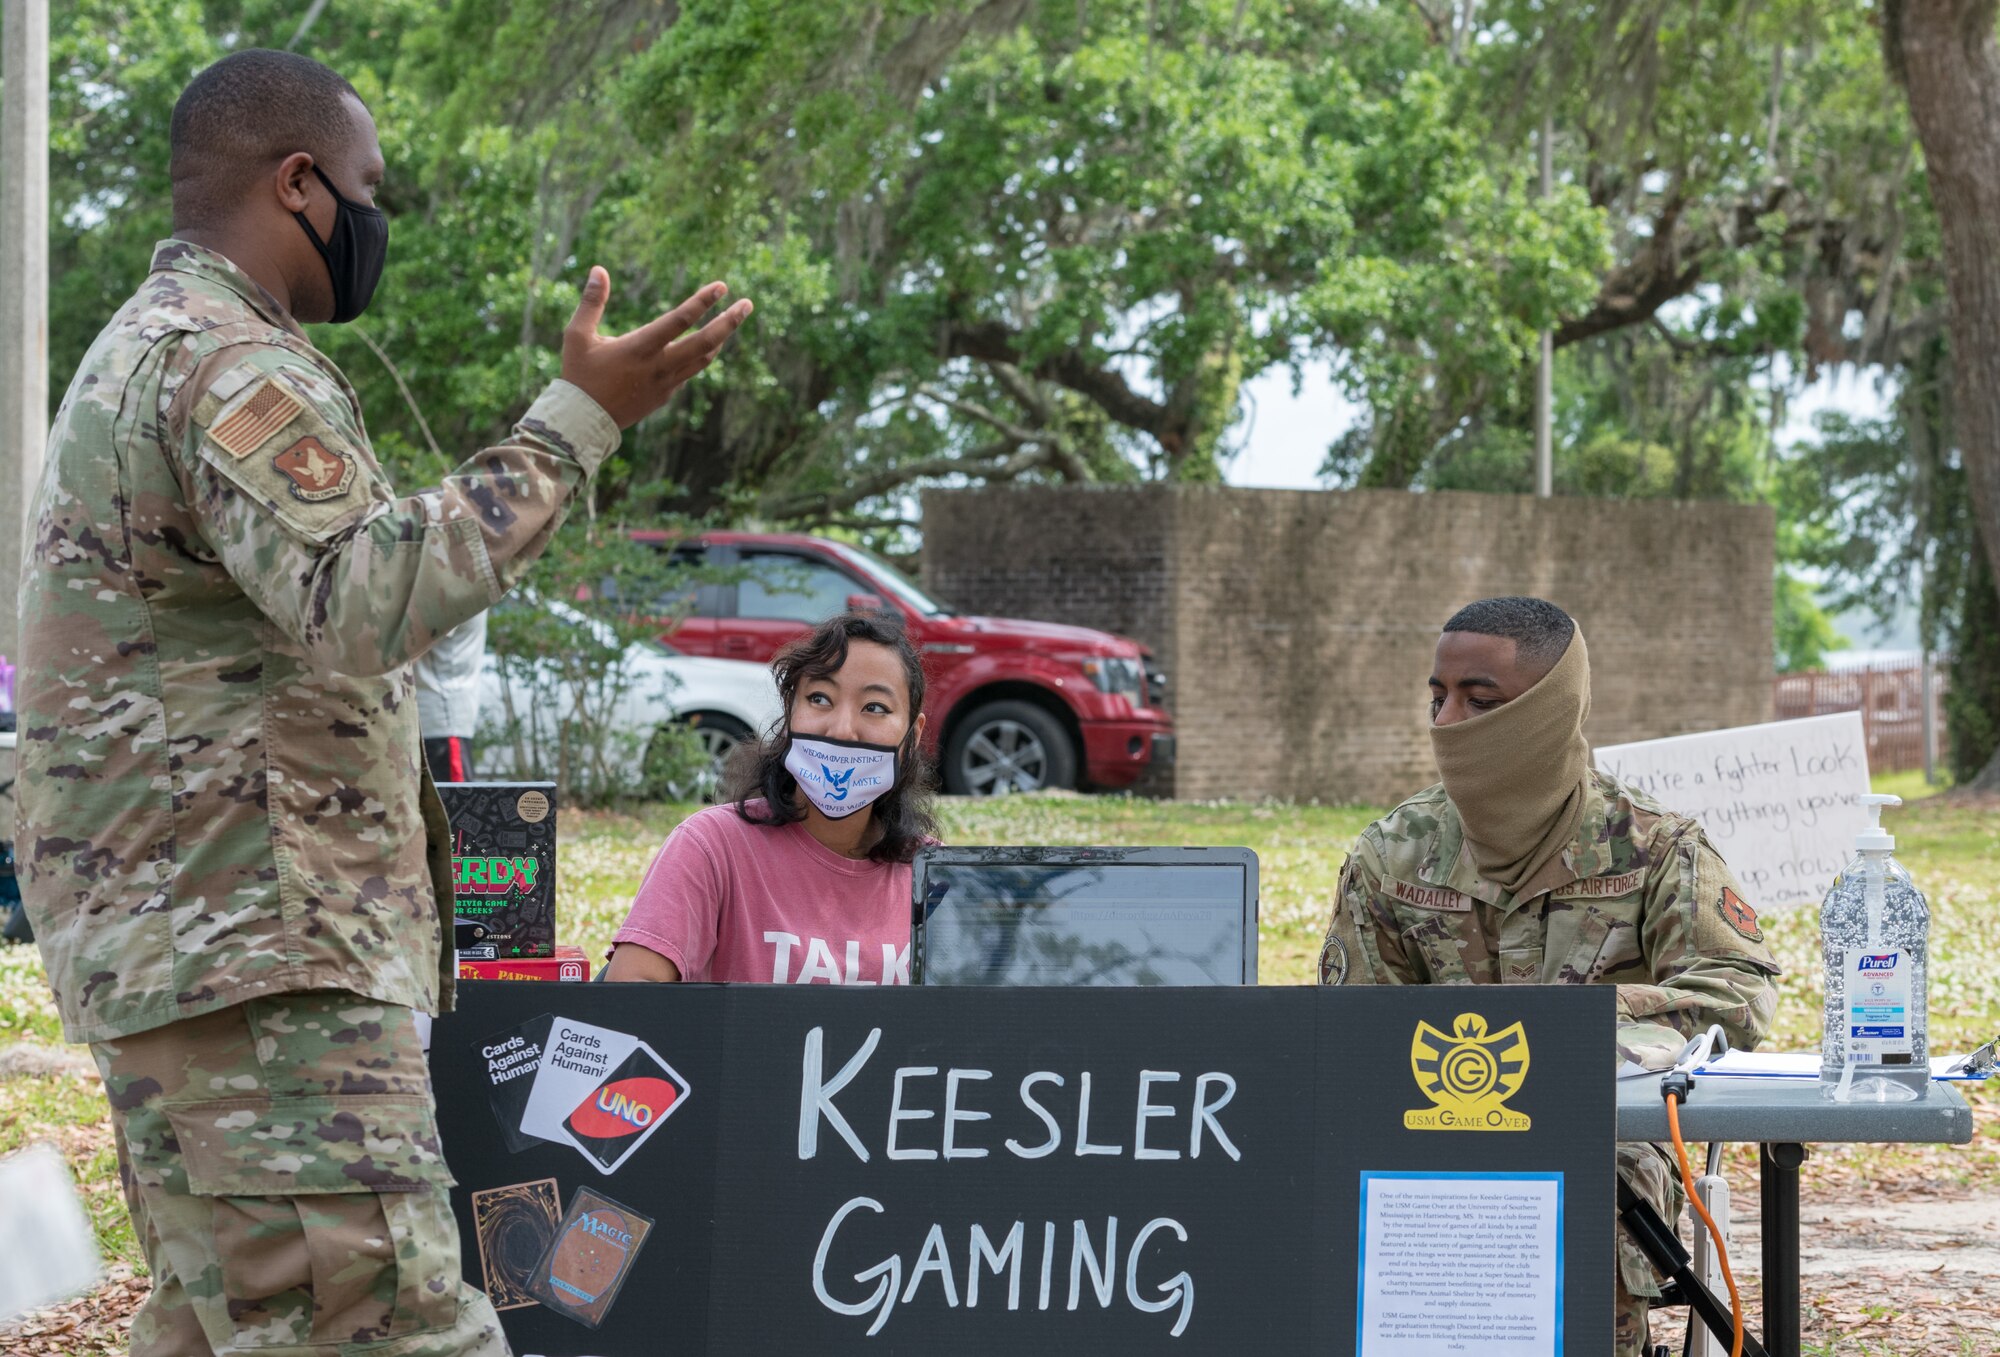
1779 800
1461 1263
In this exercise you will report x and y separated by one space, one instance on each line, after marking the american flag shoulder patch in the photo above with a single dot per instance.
256 418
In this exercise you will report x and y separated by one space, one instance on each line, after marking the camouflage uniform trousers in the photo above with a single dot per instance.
281 1163
1651 1172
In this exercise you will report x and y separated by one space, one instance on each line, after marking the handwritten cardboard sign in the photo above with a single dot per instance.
1779 800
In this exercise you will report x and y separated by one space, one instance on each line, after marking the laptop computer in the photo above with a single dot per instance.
1084 916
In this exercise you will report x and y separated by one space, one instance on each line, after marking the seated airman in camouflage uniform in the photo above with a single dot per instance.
232 855
1527 866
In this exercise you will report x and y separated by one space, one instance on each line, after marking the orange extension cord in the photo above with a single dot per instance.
1721 1249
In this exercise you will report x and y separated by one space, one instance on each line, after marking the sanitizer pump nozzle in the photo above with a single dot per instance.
1875 844
1874 838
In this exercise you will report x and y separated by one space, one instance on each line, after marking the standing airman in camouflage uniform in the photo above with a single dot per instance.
1605 888
234 860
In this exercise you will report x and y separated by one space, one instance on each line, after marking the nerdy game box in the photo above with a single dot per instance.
503 858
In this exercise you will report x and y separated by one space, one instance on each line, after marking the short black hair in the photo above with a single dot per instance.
244 114
1539 629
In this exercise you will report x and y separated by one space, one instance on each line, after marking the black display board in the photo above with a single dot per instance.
764 1229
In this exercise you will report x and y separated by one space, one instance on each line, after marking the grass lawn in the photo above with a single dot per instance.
1952 848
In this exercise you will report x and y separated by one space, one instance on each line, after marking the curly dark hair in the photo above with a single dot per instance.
905 811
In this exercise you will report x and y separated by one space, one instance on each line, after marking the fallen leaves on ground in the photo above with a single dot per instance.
92 1325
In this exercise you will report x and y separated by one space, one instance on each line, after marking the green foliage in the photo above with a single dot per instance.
1881 509
987 241
1802 633
994 240
571 672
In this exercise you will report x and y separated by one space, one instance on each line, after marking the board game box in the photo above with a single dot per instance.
503 858
569 963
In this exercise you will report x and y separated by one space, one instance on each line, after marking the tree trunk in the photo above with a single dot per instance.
1989 777
1944 55
1972 705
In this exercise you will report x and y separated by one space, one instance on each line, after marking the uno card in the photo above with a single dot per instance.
515 1225
577 1057
589 1258
621 1114
513 1060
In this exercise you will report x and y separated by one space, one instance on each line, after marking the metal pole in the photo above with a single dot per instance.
24 281
1545 476
1778 1186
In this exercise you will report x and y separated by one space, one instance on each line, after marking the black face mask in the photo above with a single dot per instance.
354 255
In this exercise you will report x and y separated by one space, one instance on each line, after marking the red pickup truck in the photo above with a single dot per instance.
1014 706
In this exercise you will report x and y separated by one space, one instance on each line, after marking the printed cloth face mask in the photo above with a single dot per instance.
354 253
840 777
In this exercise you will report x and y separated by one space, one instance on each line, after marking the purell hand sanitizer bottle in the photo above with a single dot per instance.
1874 931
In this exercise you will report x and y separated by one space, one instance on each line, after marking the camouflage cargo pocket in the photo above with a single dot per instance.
331 1217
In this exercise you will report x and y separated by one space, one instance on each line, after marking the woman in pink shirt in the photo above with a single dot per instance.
806 878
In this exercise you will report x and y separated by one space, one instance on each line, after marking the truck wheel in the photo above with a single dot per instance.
690 767
1006 747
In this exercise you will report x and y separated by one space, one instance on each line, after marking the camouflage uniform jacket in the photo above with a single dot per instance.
221 788
1640 901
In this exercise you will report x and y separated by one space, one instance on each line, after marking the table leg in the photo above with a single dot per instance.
1778 1189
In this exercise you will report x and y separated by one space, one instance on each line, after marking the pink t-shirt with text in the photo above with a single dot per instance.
730 900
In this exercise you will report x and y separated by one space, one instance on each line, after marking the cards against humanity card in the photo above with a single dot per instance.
515 1225
512 1060
621 1114
590 1257
576 1059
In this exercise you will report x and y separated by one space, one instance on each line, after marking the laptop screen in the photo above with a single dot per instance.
1043 916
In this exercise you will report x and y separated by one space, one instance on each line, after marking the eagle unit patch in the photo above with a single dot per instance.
316 471
256 420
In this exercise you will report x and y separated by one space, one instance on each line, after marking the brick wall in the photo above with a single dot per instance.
1088 557
1297 626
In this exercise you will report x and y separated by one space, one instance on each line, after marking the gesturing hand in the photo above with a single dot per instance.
632 375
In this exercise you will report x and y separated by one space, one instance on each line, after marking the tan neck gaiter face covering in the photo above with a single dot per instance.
1516 774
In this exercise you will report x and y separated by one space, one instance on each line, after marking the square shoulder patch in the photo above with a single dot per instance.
256 419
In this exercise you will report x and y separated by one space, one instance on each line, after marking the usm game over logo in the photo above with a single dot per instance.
1468 1075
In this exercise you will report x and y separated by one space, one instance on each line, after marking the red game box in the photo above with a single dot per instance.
569 963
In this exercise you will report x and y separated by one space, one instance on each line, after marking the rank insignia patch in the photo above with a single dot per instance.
1738 915
315 471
